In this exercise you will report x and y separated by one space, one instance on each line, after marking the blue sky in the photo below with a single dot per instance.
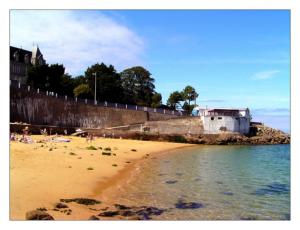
233 58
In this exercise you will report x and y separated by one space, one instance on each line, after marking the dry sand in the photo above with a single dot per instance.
43 173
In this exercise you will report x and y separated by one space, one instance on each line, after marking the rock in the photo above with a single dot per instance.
61 205
126 213
121 207
228 193
171 181
146 212
38 215
84 201
188 205
109 213
93 217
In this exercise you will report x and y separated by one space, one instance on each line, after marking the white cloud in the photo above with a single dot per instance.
77 39
263 75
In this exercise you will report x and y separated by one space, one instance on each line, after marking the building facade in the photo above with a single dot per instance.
21 60
221 120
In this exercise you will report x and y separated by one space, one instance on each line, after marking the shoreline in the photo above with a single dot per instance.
105 191
29 179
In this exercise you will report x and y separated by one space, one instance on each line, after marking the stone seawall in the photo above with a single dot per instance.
39 109
180 126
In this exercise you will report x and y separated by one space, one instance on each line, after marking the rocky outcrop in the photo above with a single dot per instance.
260 135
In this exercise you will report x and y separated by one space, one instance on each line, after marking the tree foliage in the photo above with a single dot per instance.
83 91
131 86
156 100
138 85
189 94
174 100
108 84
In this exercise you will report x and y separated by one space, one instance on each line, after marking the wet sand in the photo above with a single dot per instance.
43 173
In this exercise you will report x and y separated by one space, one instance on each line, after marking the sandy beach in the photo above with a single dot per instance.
43 173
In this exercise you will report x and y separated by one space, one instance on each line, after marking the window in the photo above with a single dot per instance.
219 118
212 118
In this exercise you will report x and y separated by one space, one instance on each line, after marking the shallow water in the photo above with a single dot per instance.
217 182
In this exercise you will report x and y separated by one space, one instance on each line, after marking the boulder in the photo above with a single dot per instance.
38 215
61 205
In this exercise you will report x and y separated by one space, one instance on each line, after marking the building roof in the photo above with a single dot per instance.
224 110
21 52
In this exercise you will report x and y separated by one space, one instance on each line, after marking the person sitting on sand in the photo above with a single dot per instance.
25 130
13 137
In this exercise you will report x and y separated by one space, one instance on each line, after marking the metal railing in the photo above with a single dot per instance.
16 84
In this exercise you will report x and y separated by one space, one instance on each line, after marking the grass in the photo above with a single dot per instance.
91 148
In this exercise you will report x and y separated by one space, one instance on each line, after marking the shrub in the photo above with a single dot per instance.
91 148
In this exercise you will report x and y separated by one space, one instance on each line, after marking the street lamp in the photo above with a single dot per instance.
95 101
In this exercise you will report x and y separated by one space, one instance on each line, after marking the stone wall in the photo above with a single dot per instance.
179 126
39 109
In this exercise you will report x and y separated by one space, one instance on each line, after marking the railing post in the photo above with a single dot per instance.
85 100
66 97
116 105
154 110
126 106
76 99
28 88
19 85
56 95
105 103
47 92
10 82
38 90
145 108
173 112
95 102
164 111
136 107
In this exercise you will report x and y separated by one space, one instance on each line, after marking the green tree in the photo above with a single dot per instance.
138 85
79 80
189 94
107 80
156 100
83 91
187 107
47 77
174 100
37 76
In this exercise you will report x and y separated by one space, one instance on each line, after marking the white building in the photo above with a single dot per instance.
220 120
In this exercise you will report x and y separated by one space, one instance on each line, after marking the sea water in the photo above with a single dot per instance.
217 183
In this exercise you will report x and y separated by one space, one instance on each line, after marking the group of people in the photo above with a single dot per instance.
24 137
